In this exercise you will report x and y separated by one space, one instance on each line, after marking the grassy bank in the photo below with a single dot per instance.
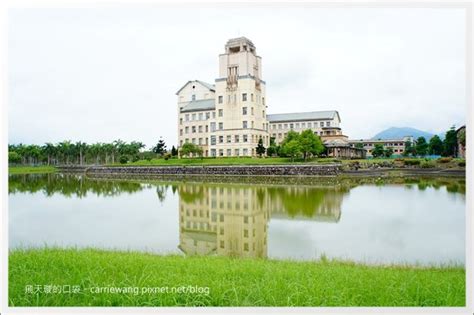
231 282
31 169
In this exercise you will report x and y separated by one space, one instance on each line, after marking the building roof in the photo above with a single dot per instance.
199 105
210 87
319 115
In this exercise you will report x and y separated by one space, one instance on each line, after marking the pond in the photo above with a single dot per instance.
412 221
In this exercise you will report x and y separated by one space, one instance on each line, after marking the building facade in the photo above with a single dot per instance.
397 145
229 117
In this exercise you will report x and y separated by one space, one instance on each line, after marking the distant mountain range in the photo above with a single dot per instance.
400 132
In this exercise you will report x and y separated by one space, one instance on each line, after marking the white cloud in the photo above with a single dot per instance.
102 74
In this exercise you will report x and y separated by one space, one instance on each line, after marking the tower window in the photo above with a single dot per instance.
221 99
193 97
244 97
244 110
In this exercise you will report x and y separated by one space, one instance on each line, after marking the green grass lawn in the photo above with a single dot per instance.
31 169
231 282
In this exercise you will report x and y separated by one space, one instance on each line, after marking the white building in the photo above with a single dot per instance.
229 117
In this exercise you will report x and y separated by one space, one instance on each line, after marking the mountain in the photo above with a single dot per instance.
400 132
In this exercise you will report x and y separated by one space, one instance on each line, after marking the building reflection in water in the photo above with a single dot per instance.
232 220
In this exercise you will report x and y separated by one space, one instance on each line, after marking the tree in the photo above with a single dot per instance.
359 145
310 143
260 148
160 147
174 151
450 142
435 146
272 148
409 149
291 148
378 150
14 157
388 152
421 146
190 148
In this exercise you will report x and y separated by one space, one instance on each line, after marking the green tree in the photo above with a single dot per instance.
14 157
435 146
409 149
260 148
378 150
160 147
190 148
272 148
291 148
359 145
310 143
450 142
388 152
174 151
421 146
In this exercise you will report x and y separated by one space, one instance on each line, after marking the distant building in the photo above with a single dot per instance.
397 145
229 118
461 142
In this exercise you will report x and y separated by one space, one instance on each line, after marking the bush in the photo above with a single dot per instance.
123 159
167 156
411 162
445 160
399 160
427 165
462 163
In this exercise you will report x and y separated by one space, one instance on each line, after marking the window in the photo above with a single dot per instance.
321 124
251 97
186 129
263 100
213 142
245 152
200 141
186 117
286 126
220 99
201 115
213 114
193 128
207 128
244 110
221 112
221 153
328 123
246 233
213 126
251 110
193 117
244 97
236 138
180 132
181 121
297 125
213 151
303 125
237 152
221 126
229 152
194 141
263 113
245 138
244 124
279 126
193 97
291 126
229 139
221 139
208 115
252 124
200 129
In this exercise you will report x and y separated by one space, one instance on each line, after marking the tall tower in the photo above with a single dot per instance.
240 102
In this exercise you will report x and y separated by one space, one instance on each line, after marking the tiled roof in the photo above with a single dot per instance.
199 105
209 86
319 115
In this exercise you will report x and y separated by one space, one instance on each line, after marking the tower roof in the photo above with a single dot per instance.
239 44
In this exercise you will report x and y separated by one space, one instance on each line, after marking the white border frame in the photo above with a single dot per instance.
4 6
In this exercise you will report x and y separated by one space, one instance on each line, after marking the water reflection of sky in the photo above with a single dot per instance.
417 223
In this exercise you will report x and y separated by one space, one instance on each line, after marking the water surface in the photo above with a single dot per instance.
411 221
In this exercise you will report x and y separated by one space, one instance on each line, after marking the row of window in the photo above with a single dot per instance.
237 152
244 98
388 144
315 124
205 128
221 139
321 133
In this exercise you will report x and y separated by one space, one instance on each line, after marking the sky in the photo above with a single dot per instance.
101 74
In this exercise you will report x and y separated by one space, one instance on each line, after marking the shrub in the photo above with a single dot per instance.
445 160
123 159
427 165
411 162
167 156
462 163
399 160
